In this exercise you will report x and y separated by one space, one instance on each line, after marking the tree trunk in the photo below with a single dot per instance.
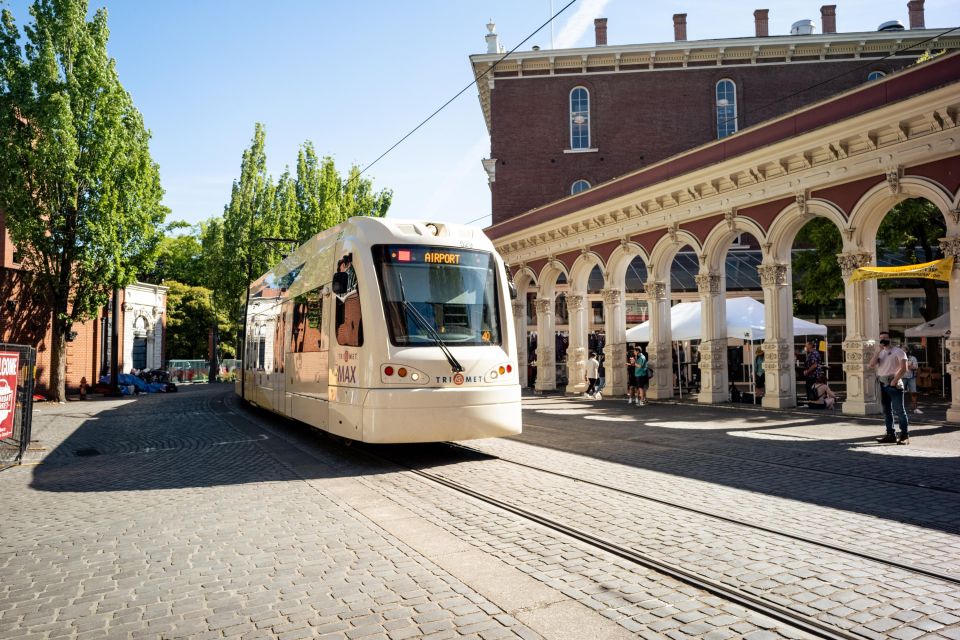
58 360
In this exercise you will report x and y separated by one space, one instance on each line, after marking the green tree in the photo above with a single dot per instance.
77 183
190 314
911 229
179 257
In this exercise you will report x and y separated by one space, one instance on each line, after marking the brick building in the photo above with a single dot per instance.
25 319
564 120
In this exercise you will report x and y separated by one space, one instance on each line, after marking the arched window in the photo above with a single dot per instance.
579 118
726 108
578 186
875 75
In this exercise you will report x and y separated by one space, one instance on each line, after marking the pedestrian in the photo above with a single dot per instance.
642 373
910 383
825 397
603 377
759 378
811 368
890 362
631 376
593 376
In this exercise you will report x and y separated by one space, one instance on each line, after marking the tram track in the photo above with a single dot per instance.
751 601
898 483
850 551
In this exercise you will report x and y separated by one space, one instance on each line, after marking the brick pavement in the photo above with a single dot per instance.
196 519
186 526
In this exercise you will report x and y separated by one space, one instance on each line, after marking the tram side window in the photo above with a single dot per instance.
349 317
307 323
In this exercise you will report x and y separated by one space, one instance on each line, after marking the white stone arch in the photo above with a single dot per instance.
525 279
666 249
721 237
547 279
582 267
141 326
787 224
869 212
619 262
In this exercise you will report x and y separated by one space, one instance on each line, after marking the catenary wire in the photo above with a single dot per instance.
462 91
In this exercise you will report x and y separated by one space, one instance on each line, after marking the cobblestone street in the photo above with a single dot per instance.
193 516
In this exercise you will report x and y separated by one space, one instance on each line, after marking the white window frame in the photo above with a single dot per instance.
573 187
876 74
570 116
717 106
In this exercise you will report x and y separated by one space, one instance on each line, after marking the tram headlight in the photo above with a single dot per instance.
414 376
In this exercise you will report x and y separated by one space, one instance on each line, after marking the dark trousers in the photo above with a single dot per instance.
592 389
891 399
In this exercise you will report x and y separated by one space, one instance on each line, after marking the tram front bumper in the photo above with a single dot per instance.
436 415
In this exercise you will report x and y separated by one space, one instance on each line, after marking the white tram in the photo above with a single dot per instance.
387 331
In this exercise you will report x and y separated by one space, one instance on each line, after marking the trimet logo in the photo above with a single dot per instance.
458 379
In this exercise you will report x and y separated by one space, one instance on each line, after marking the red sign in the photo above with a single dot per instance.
9 365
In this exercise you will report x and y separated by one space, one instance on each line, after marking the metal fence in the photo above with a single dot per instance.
13 447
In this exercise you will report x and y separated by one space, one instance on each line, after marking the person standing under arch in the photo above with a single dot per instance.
890 362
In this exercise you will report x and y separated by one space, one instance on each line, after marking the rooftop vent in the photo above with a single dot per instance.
891 25
801 28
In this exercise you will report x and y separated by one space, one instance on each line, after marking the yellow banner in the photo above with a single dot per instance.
936 270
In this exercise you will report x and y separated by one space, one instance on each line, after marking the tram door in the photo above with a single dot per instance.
306 374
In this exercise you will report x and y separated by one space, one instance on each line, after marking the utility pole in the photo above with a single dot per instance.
115 344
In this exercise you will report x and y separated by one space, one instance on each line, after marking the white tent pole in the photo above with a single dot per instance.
679 375
943 370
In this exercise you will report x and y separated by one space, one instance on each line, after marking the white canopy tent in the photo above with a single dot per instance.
745 321
936 328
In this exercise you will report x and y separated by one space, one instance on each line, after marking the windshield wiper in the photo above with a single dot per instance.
426 326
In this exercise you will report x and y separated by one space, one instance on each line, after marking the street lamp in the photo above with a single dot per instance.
246 308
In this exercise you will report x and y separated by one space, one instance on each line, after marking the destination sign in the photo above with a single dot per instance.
434 255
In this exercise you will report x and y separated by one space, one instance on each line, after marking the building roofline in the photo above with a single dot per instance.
859 100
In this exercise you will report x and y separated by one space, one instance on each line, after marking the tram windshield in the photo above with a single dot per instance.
455 291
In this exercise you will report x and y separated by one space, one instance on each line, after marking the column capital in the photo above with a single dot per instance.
853 260
707 283
612 296
518 309
772 275
574 303
655 290
951 247
544 306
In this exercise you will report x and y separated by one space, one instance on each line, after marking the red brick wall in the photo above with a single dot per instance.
636 119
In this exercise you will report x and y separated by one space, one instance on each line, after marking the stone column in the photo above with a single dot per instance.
658 349
713 339
951 247
862 330
615 349
520 327
546 346
577 348
780 375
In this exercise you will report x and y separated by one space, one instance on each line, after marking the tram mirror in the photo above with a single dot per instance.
513 290
340 280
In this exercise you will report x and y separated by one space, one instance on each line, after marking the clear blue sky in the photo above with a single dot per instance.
355 77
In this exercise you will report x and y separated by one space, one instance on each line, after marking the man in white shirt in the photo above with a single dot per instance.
890 362
593 376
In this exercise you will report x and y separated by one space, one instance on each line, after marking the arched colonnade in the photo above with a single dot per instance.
857 209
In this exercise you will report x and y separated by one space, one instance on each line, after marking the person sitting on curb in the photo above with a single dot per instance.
825 397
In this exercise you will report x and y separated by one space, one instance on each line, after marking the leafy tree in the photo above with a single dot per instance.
178 258
190 314
79 188
910 229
